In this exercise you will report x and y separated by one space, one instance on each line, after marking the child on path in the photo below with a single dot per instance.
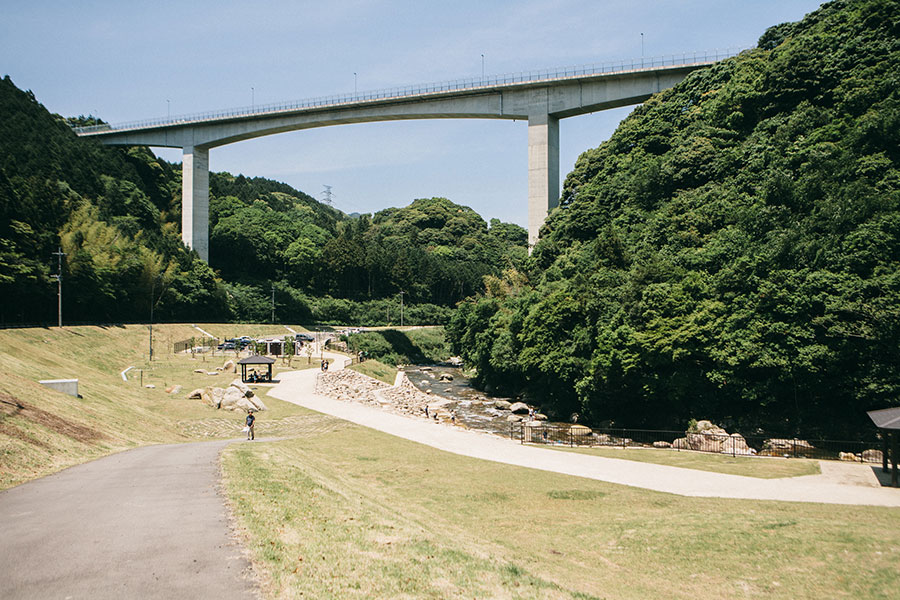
250 421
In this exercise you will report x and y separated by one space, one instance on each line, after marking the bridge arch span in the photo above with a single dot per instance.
540 103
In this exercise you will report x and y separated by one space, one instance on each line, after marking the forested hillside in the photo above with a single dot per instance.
730 253
116 213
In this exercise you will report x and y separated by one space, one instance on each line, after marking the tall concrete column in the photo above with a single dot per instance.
543 171
195 199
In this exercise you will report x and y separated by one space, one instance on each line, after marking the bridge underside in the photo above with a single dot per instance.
542 105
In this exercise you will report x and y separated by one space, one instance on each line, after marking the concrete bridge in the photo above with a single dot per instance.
541 99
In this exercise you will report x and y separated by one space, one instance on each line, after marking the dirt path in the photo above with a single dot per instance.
831 487
146 523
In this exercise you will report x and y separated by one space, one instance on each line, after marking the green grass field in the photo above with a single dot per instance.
748 466
353 513
342 511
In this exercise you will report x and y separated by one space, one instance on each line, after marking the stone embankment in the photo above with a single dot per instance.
404 398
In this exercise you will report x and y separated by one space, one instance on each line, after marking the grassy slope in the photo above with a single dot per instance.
377 370
42 431
356 514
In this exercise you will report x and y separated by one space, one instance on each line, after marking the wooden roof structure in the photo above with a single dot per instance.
256 359
887 420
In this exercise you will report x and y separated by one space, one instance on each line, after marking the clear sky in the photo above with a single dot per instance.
126 60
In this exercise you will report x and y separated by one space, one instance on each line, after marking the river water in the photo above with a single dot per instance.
473 408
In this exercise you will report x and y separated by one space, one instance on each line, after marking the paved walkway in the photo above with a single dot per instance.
147 523
298 387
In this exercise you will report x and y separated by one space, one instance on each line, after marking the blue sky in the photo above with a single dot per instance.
126 60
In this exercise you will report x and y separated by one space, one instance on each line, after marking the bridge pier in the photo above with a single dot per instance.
543 171
195 199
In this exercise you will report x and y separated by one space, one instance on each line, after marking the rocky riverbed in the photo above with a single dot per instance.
436 393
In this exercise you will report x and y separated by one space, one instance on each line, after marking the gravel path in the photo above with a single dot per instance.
848 484
146 523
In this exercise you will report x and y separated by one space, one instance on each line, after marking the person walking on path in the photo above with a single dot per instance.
250 421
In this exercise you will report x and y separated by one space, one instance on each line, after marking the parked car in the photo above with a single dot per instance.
226 346
304 337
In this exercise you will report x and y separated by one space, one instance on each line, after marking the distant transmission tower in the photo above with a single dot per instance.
328 195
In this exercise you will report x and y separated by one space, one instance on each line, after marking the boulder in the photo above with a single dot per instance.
662 444
502 404
580 430
206 395
200 371
681 444
519 408
231 398
173 389
228 367
848 457
196 394
706 437
445 377
736 444
150 386
707 427
515 418
455 361
217 395
212 372
871 455
245 404
540 417
242 387
784 447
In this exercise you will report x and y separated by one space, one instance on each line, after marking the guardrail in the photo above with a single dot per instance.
561 73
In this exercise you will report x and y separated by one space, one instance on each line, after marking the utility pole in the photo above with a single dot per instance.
273 304
152 293
59 254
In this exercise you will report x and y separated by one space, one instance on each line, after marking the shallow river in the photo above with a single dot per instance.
473 408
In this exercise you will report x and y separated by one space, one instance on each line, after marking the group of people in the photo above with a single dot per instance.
324 365
255 377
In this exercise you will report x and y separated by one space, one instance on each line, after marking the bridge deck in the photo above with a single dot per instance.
421 92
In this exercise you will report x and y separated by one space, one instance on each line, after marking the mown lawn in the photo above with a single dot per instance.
353 513
748 466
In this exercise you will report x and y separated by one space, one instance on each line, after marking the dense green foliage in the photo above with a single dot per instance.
116 214
730 253
395 347
105 207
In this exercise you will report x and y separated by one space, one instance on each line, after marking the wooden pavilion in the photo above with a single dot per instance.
887 421
256 360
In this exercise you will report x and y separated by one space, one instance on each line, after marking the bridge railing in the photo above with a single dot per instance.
474 83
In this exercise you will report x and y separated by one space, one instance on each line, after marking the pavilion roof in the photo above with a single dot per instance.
886 418
256 359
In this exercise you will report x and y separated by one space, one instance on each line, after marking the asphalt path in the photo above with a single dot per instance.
298 387
146 523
